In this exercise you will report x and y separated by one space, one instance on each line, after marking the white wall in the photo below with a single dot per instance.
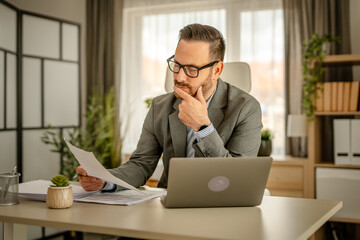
355 33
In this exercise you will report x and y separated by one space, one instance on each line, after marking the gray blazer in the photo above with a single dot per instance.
235 114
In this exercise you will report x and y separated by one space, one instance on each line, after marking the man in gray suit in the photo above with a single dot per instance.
204 117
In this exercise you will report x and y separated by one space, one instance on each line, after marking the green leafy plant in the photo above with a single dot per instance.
313 57
101 135
266 134
60 181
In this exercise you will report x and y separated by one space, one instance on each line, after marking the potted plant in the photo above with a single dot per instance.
60 194
313 57
266 145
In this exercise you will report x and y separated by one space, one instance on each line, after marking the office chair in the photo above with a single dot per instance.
235 73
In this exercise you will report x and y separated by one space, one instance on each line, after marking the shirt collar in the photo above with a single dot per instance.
212 95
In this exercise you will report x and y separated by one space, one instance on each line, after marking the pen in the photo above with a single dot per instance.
76 176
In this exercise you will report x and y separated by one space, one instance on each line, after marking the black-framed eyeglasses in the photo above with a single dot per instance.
189 70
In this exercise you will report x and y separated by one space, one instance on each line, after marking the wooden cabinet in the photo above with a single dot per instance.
288 177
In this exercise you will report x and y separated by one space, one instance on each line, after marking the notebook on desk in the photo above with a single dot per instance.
216 182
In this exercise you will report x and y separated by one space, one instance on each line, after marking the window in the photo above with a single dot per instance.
253 31
262 46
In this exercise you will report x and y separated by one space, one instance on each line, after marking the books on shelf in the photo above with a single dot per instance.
338 97
354 96
334 87
347 86
327 96
319 103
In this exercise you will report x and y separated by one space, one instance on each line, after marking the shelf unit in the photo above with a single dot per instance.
337 113
331 165
343 59
314 138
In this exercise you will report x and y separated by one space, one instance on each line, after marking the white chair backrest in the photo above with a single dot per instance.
235 73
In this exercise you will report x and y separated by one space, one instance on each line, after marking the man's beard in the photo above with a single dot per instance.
208 80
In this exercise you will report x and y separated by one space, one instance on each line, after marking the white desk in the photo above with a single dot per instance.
277 218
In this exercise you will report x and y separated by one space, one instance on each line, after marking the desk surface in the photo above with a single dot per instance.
277 218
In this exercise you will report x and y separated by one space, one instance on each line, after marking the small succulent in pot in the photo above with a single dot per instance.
60 181
59 195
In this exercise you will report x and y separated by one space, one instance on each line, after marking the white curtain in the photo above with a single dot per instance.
253 31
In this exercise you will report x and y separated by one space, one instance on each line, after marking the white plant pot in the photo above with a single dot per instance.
59 197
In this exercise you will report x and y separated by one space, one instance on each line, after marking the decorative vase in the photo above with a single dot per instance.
59 197
265 148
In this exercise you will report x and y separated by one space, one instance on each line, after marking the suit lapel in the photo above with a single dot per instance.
216 116
218 102
178 131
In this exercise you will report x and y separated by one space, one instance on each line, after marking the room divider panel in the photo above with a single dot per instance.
39 88
8 87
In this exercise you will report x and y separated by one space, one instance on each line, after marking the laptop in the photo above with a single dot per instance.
216 182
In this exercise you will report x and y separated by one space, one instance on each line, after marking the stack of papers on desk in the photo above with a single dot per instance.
37 190
125 197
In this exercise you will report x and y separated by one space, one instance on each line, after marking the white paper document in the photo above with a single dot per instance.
94 168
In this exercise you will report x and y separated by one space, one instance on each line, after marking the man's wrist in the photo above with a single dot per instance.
204 132
203 127
109 187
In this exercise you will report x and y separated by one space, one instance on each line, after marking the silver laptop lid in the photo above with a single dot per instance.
217 182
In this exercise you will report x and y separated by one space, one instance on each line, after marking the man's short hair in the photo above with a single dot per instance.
208 34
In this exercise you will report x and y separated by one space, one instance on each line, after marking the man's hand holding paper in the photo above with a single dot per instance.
89 183
93 172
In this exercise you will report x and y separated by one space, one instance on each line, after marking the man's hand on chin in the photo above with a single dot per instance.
192 110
